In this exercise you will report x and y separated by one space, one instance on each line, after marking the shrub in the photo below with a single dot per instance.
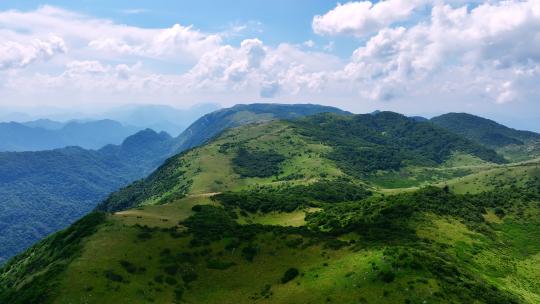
113 276
171 281
187 272
257 163
387 276
128 266
289 275
196 208
249 252
218 264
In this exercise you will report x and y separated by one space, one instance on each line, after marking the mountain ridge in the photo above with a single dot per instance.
282 211
137 157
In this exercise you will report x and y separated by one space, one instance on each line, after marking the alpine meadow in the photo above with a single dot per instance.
365 152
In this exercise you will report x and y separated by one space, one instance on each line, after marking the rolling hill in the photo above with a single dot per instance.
291 212
47 190
214 123
514 144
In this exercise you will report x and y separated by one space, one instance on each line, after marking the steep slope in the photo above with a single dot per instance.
212 124
513 143
45 191
267 213
47 135
67 183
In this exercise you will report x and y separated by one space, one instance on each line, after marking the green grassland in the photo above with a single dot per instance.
133 255
289 223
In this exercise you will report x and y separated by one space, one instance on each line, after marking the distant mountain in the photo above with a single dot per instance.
66 183
47 134
42 192
160 117
515 144
212 124
485 131
44 124
418 118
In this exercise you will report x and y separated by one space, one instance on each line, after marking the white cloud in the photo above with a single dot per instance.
451 57
309 43
175 42
362 18
107 39
15 54
488 44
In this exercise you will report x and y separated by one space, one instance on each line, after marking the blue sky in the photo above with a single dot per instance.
422 57
280 20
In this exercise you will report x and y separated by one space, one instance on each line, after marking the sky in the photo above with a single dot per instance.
417 57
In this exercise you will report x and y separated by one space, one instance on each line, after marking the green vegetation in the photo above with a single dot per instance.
168 176
310 224
257 163
288 198
43 192
386 141
514 144
31 277
289 275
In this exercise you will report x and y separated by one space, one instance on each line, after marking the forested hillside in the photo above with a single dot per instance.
278 212
46 191
514 144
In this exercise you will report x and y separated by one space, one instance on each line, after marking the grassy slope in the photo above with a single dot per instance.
507 258
515 145
312 156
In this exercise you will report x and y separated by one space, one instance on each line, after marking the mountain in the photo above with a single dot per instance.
213 123
66 183
45 191
159 117
287 212
514 144
418 118
44 124
47 134
360 145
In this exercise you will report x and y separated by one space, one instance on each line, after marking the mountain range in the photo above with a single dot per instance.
94 131
47 190
159 117
293 208
47 134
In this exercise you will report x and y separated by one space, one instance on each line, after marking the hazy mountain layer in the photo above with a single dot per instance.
47 135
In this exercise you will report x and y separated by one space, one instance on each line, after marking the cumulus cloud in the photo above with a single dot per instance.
488 43
485 54
19 54
362 18
176 43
